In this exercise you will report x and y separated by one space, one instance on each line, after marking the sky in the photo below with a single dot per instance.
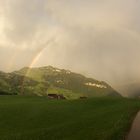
97 38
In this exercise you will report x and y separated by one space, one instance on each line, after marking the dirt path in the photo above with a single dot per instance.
135 130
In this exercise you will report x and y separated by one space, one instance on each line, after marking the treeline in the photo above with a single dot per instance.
6 93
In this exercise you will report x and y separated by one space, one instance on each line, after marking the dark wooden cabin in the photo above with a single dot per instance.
56 96
83 97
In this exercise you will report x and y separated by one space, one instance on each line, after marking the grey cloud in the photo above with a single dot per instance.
23 19
99 38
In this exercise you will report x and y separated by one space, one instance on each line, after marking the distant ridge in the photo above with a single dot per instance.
44 80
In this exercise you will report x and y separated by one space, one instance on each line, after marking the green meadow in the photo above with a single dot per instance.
39 118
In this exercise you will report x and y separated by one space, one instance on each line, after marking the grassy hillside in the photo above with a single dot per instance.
64 82
11 83
37 118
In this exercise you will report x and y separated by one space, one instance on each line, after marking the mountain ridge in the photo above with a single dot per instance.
43 80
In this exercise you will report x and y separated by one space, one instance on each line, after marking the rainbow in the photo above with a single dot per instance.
35 59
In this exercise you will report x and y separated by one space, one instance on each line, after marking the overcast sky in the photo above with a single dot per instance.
98 38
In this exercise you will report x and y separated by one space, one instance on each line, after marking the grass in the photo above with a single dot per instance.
38 118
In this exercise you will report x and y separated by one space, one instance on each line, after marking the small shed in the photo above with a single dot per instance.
56 96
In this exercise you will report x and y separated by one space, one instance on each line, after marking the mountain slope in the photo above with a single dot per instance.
53 80
11 83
